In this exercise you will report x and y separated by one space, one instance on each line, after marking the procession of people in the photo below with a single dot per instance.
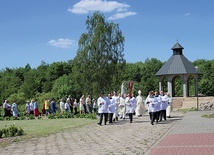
112 106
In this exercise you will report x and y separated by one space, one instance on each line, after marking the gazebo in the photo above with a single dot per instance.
178 65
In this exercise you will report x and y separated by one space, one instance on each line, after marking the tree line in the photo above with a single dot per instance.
59 79
99 65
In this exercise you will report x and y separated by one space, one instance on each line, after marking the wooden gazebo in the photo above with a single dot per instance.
178 65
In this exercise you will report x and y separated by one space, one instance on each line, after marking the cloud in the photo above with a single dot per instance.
122 15
87 6
61 43
187 14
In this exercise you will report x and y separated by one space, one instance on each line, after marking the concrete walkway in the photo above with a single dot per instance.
193 135
123 138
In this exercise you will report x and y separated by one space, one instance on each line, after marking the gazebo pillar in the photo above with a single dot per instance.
160 83
185 86
169 84
160 86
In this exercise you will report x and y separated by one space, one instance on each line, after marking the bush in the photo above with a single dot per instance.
68 115
51 116
31 117
22 118
91 116
20 132
7 118
39 117
12 131
5 132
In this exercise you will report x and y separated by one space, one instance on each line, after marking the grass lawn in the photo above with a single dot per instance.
34 128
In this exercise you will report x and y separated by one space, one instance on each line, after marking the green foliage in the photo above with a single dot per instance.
206 82
51 116
31 117
11 131
40 97
99 52
29 87
178 86
208 116
91 116
143 75
62 87
183 110
18 97
7 118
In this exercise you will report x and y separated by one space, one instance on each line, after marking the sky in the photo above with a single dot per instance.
32 31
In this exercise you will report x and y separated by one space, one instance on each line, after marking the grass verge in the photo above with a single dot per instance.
208 116
35 128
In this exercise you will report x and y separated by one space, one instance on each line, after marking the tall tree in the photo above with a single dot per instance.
100 55
206 82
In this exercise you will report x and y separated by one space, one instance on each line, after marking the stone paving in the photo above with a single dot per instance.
193 135
120 138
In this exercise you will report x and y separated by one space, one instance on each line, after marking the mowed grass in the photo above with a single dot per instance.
35 128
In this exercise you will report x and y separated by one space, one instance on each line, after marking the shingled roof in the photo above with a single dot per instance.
177 64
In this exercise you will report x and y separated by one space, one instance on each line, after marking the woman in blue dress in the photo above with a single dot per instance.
15 109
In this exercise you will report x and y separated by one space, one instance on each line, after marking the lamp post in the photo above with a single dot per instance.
196 68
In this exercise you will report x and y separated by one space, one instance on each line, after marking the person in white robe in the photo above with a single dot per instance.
103 103
130 106
140 108
117 102
122 107
81 104
111 108
62 106
152 102
169 108
157 96
163 105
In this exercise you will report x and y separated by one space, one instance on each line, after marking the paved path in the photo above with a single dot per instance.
121 138
193 135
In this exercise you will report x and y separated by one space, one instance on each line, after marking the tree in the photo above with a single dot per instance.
206 83
100 55
10 82
29 86
41 79
149 80
62 87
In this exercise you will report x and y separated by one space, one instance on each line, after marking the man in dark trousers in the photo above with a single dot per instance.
103 103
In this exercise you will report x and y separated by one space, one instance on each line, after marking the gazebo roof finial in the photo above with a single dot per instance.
177 46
